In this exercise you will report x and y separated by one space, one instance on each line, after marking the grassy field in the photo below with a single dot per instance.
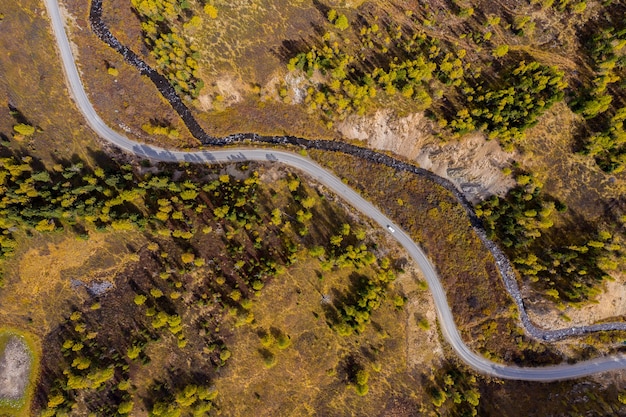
43 280
32 89
267 380
231 101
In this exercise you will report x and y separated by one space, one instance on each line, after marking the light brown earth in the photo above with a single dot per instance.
611 302
424 350
474 164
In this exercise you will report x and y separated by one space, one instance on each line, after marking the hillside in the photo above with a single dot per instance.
145 288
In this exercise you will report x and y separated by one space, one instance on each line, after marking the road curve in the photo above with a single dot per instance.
446 321
505 269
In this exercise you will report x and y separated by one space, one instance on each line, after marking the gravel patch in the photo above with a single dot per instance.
94 289
15 365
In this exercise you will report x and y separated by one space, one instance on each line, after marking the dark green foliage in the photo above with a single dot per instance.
568 267
606 53
518 219
353 83
514 104
598 100
609 147
52 200
454 392
369 294
175 57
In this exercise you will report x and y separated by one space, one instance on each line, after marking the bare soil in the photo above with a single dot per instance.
610 303
424 348
473 164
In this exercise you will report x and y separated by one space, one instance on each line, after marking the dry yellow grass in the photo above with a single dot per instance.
309 377
32 82
573 178
38 289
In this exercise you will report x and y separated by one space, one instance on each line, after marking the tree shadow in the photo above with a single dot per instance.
18 115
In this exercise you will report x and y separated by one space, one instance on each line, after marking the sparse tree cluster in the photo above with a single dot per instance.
368 297
192 400
609 147
606 145
575 6
175 57
606 54
514 104
568 268
454 392
369 293
354 80
160 129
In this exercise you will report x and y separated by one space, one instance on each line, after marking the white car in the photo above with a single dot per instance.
391 229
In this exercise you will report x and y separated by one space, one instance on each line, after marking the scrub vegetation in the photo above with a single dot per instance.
206 273
213 240
572 268
469 68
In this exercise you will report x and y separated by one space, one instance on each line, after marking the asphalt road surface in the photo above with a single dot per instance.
446 321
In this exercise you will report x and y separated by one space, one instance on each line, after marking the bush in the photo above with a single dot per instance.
269 360
211 11
24 129
342 22
267 340
362 376
362 390
187 258
225 355
55 400
500 51
125 408
283 341
133 352
140 299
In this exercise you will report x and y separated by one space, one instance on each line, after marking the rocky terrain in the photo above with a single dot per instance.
15 363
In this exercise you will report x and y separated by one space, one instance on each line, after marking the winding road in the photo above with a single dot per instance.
446 321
